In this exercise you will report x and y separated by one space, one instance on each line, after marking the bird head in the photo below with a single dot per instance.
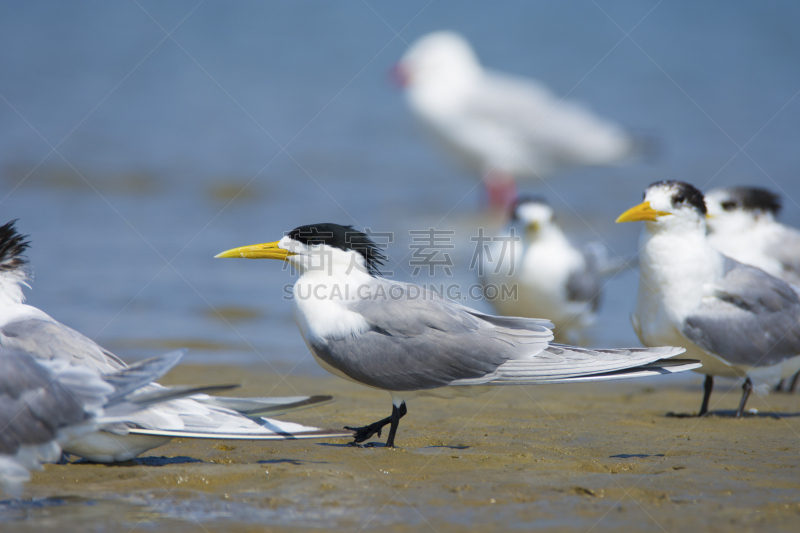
323 247
534 213
14 269
437 69
734 209
669 205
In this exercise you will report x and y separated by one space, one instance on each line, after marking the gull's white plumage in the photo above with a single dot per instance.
738 320
29 330
408 341
493 122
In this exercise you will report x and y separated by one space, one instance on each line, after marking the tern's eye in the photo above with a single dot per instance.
729 205
679 198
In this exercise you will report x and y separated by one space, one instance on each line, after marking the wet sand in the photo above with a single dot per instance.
597 457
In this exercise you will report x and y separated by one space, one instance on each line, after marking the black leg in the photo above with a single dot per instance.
397 414
365 432
780 386
708 386
793 386
747 388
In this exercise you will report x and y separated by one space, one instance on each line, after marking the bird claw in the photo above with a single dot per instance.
364 433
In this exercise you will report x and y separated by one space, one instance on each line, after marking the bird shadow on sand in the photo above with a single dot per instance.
296 462
145 461
732 414
635 455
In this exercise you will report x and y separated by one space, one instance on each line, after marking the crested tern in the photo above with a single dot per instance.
46 404
26 329
543 274
743 225
409 341
500 126
735 318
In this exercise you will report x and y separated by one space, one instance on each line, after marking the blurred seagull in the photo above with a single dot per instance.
499 126
27 329
742 225
46 404
400 338
552 277
737 319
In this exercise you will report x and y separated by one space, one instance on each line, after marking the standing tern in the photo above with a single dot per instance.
29 330
403 339
737 319
499 126
552 277
44 405
743 225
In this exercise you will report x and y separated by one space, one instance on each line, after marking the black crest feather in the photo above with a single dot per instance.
751 199
342 237
12 248
527 199
684 193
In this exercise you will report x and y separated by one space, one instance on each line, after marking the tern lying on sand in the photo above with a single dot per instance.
45 405
408 341
27 329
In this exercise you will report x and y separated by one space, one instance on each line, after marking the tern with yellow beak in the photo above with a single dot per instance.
29 330
403 339
737 319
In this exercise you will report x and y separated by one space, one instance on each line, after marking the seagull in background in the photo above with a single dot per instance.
26 329
46 404
743 225
498 126
409 341
737 319
552 277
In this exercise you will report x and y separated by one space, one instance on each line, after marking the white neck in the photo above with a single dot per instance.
11 283
675 263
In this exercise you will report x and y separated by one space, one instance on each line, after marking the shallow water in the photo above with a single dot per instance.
132 158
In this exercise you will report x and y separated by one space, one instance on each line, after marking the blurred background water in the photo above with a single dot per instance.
138 139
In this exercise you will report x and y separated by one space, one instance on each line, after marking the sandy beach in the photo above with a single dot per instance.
599 457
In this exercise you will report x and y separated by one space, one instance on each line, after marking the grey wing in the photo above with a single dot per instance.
751 318
418 340
33 405
44 339
583 284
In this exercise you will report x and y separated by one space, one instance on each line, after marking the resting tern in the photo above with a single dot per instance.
29 330
46 404
533 270
400 338
737 319
742 225
500 126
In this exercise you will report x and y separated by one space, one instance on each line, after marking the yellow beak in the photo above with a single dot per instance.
643 211
268 250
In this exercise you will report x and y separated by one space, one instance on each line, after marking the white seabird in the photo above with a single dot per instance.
737 319
29 330
403 339
533 270
500 126
743 225
44 405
